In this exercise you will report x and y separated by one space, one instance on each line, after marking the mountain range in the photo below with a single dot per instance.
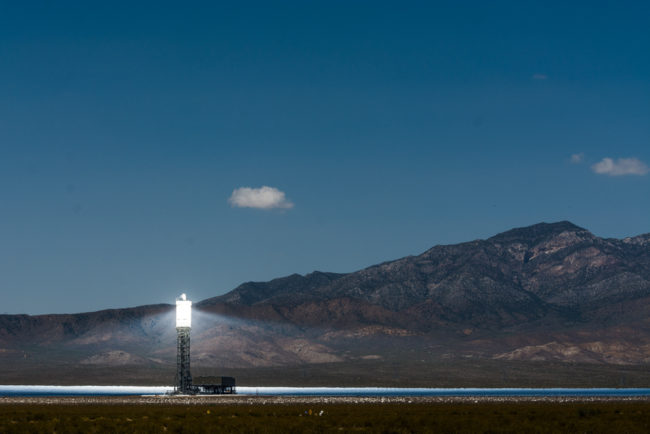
548 293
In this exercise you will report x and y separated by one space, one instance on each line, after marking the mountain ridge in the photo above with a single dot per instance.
516 271
550 291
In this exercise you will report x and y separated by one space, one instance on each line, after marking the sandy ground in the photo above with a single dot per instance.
262 400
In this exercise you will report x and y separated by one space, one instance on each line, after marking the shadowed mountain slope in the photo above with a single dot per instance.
513 278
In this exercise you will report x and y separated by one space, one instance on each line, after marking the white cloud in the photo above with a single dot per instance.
577 158
620 167
540 76
262 198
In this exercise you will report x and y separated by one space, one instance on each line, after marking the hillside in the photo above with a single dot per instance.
545 293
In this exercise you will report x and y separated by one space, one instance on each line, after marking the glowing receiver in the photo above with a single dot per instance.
183 312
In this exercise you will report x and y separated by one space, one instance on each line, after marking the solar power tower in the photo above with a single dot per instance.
183 326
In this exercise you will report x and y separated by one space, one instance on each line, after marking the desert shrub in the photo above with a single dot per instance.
295 418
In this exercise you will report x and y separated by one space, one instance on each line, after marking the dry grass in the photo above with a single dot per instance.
624 417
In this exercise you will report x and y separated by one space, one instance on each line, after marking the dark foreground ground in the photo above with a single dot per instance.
322 414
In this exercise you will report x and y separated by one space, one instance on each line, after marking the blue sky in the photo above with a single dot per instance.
390 127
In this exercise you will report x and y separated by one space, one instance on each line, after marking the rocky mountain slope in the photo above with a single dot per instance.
544 292
516 278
